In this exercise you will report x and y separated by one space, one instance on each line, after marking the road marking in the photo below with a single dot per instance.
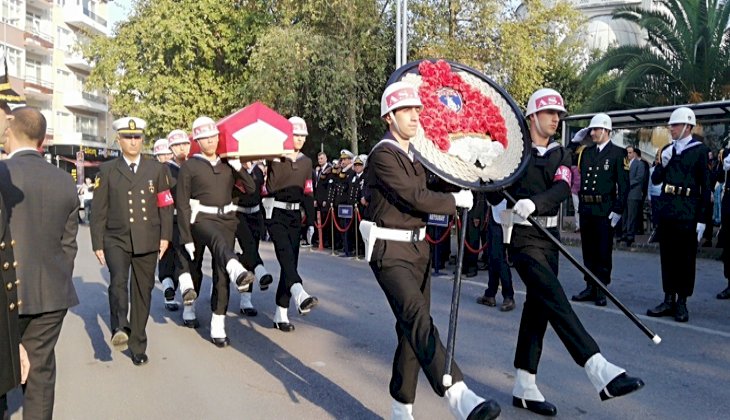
644 318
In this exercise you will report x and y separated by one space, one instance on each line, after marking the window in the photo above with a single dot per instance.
32 22
61 2
64 39
33 70
11 12
61 79
64 124
15 60
87 125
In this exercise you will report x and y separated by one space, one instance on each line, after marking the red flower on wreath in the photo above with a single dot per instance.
475 114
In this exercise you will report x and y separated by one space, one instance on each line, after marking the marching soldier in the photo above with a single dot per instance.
131 225
248 233
161 151
604 187
288 180
683 200
207 219
539 192
179 144
400 259
723 238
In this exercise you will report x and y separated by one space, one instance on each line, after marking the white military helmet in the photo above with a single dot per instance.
177 137
161 147
601 121
204 127
683 115
545 99
399 95
299 125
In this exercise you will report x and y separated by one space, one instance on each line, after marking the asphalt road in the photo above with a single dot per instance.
337 362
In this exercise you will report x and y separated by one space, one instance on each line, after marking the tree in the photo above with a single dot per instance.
685 59
175 60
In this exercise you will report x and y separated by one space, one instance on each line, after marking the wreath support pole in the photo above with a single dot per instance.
453 316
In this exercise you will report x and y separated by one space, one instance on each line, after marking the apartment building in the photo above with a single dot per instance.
40 39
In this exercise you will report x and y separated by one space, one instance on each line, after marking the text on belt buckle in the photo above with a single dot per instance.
414 235
669 189
290 206
221 211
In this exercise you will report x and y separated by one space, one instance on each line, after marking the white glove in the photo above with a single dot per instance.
614 218
191 250
580 135
726 163
235 164
310 233
667 154
524 208
700 231
464 199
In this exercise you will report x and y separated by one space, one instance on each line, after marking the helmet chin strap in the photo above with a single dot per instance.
539 129
396 127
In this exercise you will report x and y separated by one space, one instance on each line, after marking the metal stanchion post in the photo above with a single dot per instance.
357 213
332 228
319 230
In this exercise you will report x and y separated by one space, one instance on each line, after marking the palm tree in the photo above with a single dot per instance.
686 58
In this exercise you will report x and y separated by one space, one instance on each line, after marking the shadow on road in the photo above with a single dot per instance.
94 311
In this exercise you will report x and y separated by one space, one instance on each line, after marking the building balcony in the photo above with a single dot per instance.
41 4
38 88
76 137
85 101
77 61
84 18
38 42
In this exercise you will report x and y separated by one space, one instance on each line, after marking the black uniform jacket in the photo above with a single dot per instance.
246 198
43 211
686 191
9 332
290 180
212 184
399 196
133 210
604 180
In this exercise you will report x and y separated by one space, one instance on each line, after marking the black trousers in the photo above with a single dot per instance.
284 227
39 335
498 268
248 233
632 218
473 231
678 256
537 265
142 281
167 267
218 235
404 274
596 237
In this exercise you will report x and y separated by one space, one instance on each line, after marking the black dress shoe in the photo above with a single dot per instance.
487 300
266 281
171 306
189 296
487 410
482 266
471 273
681 314
725 294
243 280
621 385
191 323
307 304
543 408
586 295
140 359
600 299
169 293
507 305
284 326
249 311
221 342
663 309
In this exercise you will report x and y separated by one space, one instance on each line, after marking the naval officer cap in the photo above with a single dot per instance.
346 154
360 160
129 126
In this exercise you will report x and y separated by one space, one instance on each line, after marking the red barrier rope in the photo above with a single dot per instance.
359 218
341 230
466 244
326 219
443 237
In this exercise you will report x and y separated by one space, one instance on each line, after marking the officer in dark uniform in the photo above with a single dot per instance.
539 192
288 180
341 193
399 208
207 219
357 198
320 178
131 225
248 232
723 238
604 187
680 207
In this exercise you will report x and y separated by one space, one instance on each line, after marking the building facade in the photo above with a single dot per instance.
41 39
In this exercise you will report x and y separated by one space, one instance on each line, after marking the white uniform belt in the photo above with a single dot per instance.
248 210
286 205
545 221
228 208
400 235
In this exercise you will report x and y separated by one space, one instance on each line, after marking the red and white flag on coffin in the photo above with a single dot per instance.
255 131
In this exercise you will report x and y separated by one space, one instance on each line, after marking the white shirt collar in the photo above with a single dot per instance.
136 162
602 146
20 149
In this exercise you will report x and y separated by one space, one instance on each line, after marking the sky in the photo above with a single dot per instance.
118 11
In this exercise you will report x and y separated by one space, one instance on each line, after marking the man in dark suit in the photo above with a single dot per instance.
42 208
131 225
604 182
635 198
